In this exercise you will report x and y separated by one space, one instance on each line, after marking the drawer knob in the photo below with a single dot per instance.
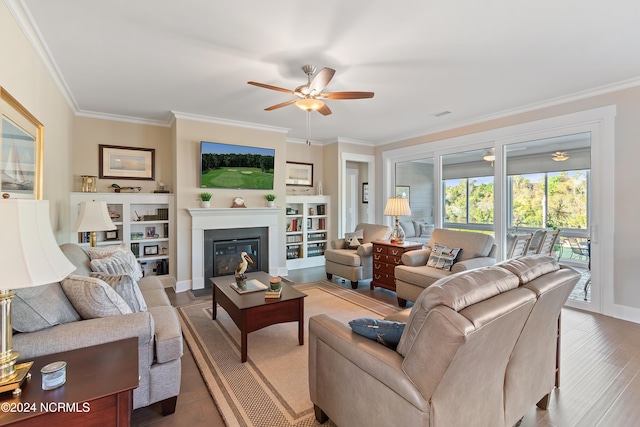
395 251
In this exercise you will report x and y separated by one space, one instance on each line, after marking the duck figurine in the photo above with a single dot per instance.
242 267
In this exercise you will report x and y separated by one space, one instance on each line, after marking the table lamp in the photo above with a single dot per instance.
397 206
29 256
94 216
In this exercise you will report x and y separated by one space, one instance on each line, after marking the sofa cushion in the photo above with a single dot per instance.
457 292
386 332
442 257
421 276
409 229
41 307
119 262
530 267
92 297
426 230
126 287
343 256
78 257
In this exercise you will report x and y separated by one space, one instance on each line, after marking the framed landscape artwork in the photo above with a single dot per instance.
21 150
299 174
120 162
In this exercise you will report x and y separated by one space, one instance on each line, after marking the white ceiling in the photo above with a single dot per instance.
144 59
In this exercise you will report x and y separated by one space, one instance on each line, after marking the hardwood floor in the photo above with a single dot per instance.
600 372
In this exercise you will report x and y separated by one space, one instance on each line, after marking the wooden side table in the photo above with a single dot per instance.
98 390
386 256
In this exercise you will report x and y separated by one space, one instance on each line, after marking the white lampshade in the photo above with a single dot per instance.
94 216
397 206
29 253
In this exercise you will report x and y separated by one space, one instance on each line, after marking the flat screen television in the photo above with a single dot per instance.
236 166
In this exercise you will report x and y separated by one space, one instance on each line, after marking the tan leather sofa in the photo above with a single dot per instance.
355 264
478 349
478 250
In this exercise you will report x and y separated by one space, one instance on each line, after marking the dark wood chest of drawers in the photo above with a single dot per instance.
386 256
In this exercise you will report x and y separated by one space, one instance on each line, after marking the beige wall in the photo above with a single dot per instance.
23 76
89 133
186 158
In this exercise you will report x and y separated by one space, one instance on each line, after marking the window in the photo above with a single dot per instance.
468 202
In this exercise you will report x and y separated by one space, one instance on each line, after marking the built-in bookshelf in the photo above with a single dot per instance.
307 232
144 222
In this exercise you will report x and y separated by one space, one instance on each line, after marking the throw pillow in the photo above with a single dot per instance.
530 267
41 307
426 230
93 298
97 252
442 257
119 262
126 287
353 240
385 332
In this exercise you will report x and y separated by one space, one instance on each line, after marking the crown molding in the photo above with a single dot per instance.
126 119
576 96
226 122
25 22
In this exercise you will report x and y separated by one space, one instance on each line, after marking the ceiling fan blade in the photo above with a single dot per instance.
347 95
266 86
321 80
325 110
283 104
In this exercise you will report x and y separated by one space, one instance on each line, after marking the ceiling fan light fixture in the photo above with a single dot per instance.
489 155
309 104
559 156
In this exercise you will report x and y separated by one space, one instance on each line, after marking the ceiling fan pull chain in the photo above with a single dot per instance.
309 127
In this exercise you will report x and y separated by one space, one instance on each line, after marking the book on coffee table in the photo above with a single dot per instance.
247 286
273 294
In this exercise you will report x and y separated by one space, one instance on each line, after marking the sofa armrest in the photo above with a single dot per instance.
472 263
378 361
337 244
85 333
416 258
365 249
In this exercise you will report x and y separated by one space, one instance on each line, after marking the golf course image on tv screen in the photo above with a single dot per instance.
236 166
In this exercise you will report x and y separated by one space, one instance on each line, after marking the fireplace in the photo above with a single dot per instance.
222 249
215 222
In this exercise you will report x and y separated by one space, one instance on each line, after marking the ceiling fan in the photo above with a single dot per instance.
311 96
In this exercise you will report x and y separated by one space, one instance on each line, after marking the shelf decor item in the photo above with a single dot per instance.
205 199
270 200
89 183
127 162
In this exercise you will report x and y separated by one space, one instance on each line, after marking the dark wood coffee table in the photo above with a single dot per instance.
252 311
98 391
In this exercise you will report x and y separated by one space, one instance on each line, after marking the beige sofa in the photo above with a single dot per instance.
477 250
157 329
355 264
478 349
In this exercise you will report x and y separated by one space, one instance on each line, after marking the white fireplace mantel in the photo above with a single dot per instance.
229 218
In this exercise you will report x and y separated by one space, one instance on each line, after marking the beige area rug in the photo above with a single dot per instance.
272 387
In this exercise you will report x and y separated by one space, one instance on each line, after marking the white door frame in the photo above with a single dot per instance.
342 183
601 123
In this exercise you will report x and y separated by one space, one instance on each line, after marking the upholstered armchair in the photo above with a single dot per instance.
355 263
416 273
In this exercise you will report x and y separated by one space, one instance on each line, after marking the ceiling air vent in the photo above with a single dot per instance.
441 113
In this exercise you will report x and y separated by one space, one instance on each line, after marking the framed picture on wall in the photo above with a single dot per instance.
299 174
403 191
127 162
365 192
